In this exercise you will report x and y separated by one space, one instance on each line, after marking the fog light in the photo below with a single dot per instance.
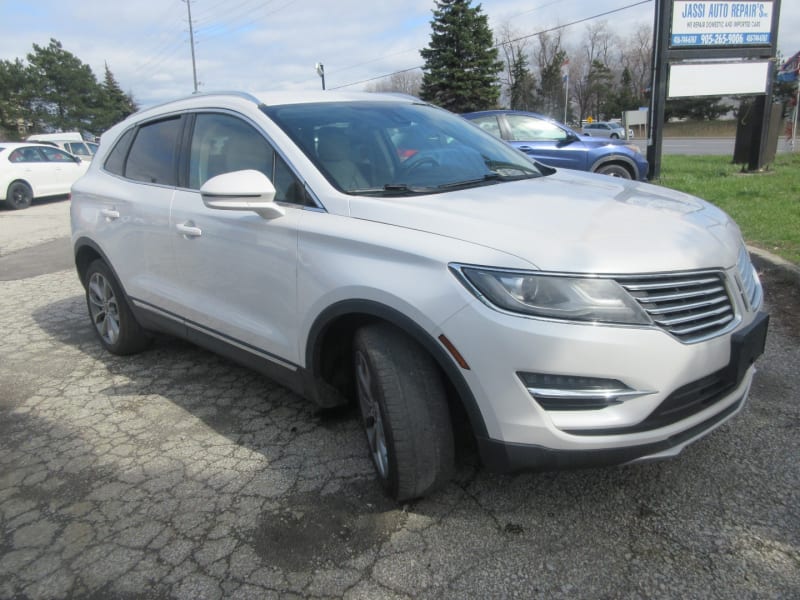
571 392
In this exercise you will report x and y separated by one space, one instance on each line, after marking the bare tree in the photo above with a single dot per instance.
549 56
518 83
404 82
637 50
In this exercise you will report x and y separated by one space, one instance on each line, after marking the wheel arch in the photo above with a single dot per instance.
617 159
86 251
330 341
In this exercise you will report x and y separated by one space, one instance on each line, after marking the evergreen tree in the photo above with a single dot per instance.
522 90
600 84
461 63
66 87
113 105
16 113
551 89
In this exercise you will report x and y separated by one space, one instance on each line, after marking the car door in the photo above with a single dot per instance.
30 165
237 269
64 168
546 141
131 207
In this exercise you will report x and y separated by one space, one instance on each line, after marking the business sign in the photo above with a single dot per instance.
692 80
714 24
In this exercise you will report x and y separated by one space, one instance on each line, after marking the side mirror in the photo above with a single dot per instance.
242 190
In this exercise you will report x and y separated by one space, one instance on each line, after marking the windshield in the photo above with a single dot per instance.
395 148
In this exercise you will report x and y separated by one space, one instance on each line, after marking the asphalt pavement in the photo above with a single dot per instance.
177 474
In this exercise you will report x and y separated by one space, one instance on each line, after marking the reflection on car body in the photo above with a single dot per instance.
555 144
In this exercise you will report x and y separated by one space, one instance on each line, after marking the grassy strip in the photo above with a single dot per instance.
765 205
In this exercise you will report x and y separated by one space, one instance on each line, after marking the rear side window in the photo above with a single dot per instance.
152 157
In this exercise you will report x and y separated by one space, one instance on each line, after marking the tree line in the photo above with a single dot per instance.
469 67
53 90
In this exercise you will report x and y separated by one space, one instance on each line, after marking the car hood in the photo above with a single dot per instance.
573 222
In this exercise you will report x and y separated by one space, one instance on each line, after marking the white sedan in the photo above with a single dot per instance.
29 171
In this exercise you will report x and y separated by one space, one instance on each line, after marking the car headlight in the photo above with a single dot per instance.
633 148
555 296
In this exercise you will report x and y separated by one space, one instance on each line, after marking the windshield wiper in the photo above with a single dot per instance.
487 177
391 189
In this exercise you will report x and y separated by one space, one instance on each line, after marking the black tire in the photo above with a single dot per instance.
614 136
19 195
111 316
404 411
615 170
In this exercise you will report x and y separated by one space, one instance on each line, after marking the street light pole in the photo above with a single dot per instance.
321 73
191 43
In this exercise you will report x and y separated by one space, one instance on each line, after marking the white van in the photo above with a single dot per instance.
71 141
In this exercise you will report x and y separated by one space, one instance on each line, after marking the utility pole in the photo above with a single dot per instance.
191 43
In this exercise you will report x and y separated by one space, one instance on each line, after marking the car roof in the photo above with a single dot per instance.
480 113
14 145
277 98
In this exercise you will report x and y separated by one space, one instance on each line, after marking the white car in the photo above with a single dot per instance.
71 141
29 171
376 249
612 130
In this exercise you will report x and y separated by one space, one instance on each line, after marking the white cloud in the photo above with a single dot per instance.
258 44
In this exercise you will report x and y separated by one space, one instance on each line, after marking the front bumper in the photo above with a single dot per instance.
691 388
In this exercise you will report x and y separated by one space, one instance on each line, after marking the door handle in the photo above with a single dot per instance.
189 230
110 214
525 148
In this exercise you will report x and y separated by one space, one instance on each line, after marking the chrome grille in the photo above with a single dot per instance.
690 306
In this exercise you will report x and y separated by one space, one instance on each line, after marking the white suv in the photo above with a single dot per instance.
378 249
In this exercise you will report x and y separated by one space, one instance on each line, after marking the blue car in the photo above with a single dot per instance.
554 144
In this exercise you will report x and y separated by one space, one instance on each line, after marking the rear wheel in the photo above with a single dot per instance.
615 170
111 316
19 195
404 412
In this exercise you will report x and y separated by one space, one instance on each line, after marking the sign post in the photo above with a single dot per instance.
711 49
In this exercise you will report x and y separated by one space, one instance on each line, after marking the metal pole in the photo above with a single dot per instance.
566 95
191 43
796 112
321 72
658 87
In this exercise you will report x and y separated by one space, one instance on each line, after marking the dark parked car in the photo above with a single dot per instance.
557 145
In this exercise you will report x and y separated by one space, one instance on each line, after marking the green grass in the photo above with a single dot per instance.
765 205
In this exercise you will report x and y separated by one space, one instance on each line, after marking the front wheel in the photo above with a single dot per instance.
404 411
111 316
615 170
19 195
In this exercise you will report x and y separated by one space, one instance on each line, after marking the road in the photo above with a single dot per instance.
698 146
175 473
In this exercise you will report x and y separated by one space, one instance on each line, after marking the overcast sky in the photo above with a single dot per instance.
275 44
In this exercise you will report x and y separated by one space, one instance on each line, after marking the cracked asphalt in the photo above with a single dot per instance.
177 474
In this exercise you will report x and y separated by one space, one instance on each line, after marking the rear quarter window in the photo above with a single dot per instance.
115 163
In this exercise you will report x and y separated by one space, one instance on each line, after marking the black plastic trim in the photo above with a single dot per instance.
509 458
